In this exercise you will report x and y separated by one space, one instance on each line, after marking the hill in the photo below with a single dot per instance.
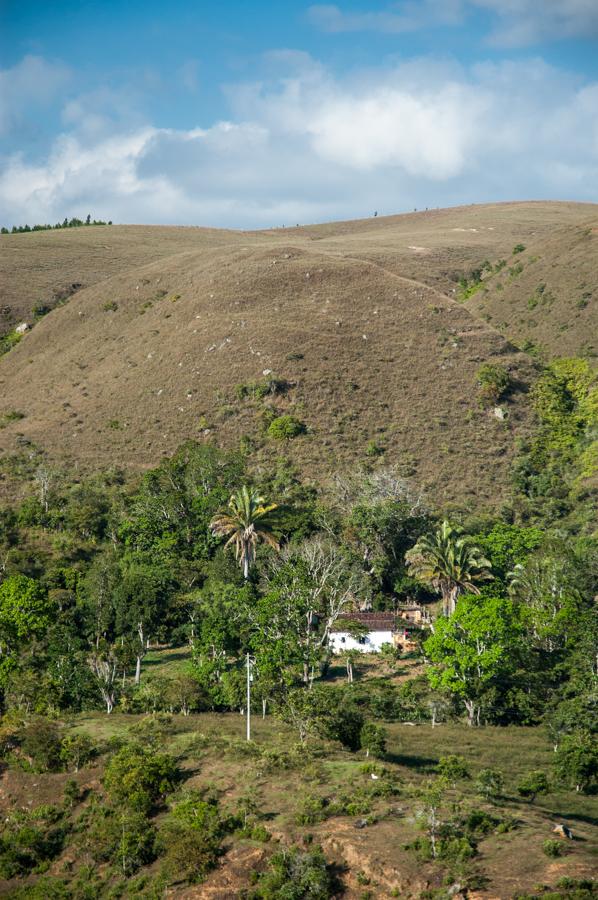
355 329
546 298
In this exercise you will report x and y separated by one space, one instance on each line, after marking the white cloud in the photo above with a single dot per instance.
26 87
524 22
396 19
519 22
307 146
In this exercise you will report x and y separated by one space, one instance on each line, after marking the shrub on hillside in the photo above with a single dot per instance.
77 750
494 383
532 784
139 778
122 836
285 428
453 767
489 784
576 761
295 874
29 839
553 848
373 739
257 390
41 741
190 838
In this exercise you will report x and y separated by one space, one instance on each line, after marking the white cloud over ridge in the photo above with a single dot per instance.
307 146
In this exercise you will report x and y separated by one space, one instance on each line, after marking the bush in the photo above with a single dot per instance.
185 693
30 839
123 837
12 415
72 793
374 449
77 750
576 761
45 888
489 783
41 742
373 739
257 390
295 874
494 382
532 784
453 768
479 822
553 848
338 718
8 341
312 810
139 778
41 309
450 849
152 729
190 839
285 428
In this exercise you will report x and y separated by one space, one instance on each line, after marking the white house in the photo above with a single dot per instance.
379 626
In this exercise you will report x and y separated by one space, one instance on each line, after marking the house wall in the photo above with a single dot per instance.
372 642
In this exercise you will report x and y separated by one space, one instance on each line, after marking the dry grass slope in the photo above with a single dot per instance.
547 296
360 318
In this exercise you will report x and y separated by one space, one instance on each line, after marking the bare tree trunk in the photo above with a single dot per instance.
138 670
264 704
473 713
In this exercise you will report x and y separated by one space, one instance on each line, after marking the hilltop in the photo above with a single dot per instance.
356 329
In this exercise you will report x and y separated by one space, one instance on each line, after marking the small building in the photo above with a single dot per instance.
413 613
378 628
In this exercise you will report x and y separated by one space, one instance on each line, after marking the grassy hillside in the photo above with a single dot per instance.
43 267
546 297
361 322
324 795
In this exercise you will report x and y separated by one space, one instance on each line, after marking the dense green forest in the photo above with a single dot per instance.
206 554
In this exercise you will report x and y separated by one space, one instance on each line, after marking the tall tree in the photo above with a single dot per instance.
25 613
141 603
449 562
247 522
308 588
474 653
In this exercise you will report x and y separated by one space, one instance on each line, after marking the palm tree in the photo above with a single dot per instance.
448 562
246 522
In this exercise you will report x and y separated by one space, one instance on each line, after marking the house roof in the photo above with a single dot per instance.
373 621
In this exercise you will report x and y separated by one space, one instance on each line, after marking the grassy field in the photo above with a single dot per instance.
373 860
366 826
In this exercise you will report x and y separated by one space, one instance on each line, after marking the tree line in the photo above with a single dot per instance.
66 223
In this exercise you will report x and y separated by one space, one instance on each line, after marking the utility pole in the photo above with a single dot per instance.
250 663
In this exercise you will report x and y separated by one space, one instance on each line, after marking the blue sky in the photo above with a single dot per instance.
267 113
